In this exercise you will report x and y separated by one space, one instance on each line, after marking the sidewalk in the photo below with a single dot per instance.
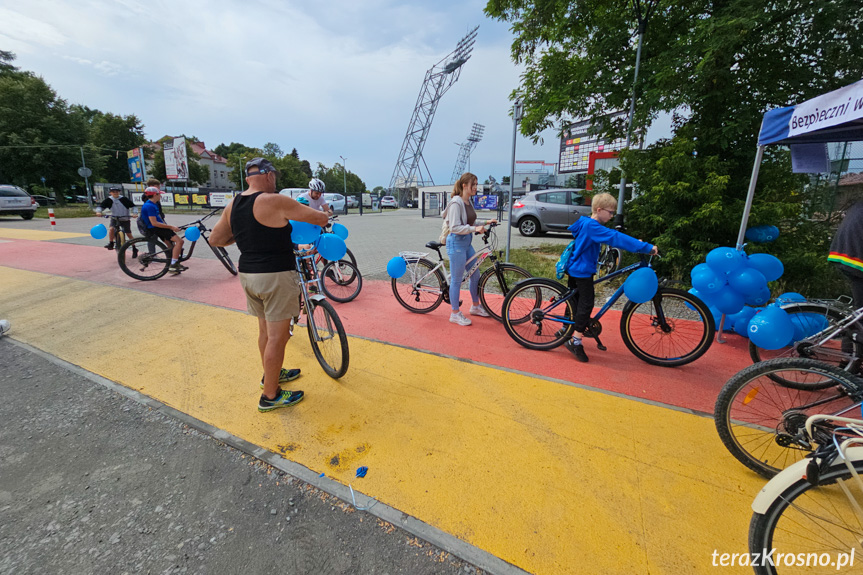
548 477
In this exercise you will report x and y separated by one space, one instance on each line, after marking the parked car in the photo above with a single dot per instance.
336 202
15 201
352 202
389 202
548 210
45 200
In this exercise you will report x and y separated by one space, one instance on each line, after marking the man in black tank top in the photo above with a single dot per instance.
258 221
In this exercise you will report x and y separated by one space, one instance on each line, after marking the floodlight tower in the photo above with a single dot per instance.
465 148
439 78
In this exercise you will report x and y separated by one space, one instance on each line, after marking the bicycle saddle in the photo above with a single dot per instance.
434 245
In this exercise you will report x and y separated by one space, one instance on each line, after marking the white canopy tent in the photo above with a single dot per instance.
833 117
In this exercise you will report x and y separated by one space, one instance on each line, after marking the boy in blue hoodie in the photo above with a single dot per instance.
589 234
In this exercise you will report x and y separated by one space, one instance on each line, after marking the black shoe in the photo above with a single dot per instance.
577 351
109 246
177 268
134 253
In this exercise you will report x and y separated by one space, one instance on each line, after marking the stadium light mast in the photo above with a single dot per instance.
465 148
439 78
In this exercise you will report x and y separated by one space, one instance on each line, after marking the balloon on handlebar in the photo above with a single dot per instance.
331 247
340 231
304 233
193 234
99 231
397 267
641 285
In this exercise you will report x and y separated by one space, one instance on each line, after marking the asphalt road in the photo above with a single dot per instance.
93 482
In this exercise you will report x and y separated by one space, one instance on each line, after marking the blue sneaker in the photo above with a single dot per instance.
285 398
285 376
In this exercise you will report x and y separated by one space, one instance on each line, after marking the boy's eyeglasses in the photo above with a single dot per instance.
612 212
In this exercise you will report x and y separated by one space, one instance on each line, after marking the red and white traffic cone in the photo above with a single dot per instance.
51 216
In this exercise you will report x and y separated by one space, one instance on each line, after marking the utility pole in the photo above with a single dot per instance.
345 174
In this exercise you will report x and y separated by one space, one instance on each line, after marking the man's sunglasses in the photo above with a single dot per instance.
261 171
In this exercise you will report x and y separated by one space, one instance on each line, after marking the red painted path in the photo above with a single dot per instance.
376 315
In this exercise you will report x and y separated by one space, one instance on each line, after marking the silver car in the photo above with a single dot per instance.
548 211
336 202
14 200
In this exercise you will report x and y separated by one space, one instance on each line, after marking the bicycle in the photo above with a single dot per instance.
761 411
609 260
809 511
119 234
151 261
326 333
424 286
341 280
672 329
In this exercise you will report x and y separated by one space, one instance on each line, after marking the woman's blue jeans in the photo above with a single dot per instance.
459 250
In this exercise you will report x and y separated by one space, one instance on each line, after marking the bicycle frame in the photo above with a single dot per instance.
413 257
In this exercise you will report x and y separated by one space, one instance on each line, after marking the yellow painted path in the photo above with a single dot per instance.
38 235
552 478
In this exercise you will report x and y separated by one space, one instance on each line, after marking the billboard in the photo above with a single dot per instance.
136 165
176 162
577 142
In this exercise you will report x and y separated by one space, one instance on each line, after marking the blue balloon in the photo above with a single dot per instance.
193 234
727 300
697 294
99 231
641 285
762 234
303 233
759 299
724 260
705 280
397 267
790 297
741 320
340 231
768 265
747 281
331 247
806 324
771 329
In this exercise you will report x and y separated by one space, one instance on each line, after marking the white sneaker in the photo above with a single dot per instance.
459 318
4 326
478 310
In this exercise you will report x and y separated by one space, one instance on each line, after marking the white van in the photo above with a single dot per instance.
293 192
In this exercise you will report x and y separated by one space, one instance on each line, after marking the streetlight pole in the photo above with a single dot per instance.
242 169
516 118
345 174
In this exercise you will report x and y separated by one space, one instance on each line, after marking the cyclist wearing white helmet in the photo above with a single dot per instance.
315 195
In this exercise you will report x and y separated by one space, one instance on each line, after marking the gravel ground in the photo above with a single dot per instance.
93 482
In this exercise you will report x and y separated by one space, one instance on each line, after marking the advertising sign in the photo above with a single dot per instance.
485 202
176 162
136 165
220 200
199 199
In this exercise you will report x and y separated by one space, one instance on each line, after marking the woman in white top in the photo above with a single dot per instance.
462 221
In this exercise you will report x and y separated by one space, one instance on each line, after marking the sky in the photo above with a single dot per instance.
331 79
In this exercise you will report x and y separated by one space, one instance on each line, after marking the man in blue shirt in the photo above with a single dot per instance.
157 227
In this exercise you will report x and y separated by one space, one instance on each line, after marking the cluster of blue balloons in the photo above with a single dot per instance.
331 246
730 279
762 234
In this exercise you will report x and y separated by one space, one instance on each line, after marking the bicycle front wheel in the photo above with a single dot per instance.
760 420
421 288
533 314
138 261
495 283
809 522
119 240
342 281
672 329
328 339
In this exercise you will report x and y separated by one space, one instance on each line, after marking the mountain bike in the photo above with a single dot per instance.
761 411
341 280
148 258
119 234
326 333
672 329
812 512
424 286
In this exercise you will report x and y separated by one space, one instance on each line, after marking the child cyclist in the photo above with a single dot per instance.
589 234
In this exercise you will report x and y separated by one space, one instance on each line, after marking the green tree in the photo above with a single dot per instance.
113 136
271 149
6 59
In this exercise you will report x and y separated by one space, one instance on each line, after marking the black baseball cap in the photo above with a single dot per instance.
115 189
263 165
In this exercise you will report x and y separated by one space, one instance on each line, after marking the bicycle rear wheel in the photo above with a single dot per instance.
342 281
495 283
808 319
609 261
808 521
348 257
421 288
328 339
672 329
136 259
532 314
758 417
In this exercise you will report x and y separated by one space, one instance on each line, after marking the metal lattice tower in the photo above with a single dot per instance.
439 78
465 148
